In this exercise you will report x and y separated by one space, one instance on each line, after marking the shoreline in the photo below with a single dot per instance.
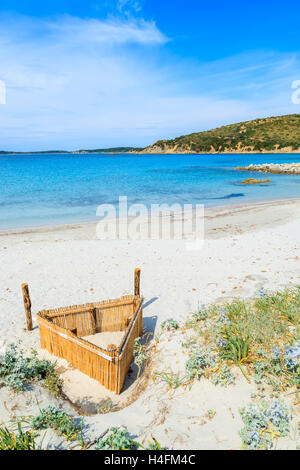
210 212
230 152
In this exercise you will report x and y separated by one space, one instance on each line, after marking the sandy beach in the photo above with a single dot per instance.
246 248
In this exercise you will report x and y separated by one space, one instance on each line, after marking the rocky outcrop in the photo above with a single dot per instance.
286 168
255 181
187 149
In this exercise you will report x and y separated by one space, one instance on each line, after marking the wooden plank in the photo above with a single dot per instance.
85 308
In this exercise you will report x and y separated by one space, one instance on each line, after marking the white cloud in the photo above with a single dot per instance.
110 31
125 6
74 83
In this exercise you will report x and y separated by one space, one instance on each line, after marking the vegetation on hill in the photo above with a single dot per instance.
269 134
273 134
111 150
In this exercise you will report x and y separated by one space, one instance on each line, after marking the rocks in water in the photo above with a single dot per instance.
255 181
286 168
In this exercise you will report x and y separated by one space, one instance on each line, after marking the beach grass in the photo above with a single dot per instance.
261 337
17 439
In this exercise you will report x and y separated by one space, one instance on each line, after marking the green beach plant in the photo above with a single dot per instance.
140 354
234 346
60 421
170 325
260 336
223 376
264 422
201 360
200 317
17 370
204 362
53 383
172 379
17 440
117 439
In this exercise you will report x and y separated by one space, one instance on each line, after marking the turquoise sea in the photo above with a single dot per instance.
37 190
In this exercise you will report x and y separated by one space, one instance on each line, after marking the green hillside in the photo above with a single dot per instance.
270 134
111 150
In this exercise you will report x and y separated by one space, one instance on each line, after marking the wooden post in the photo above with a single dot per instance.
137 278
27 305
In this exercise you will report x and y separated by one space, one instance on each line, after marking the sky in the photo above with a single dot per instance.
96 74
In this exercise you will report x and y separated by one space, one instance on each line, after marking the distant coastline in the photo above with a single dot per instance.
114 150
93 152
273 135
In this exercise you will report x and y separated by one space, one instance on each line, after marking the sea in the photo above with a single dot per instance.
51 189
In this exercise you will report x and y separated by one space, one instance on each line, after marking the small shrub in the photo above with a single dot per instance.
117 439
279 368
53 383
223 376
202 314
199 361
58 420
292 358
264 422
206 362
140 354
16 370
170 325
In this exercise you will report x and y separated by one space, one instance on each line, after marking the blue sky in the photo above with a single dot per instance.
128 72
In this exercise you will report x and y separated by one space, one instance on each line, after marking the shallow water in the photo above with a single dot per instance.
38 190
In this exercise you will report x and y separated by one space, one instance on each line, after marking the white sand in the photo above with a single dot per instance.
106 338
246 248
